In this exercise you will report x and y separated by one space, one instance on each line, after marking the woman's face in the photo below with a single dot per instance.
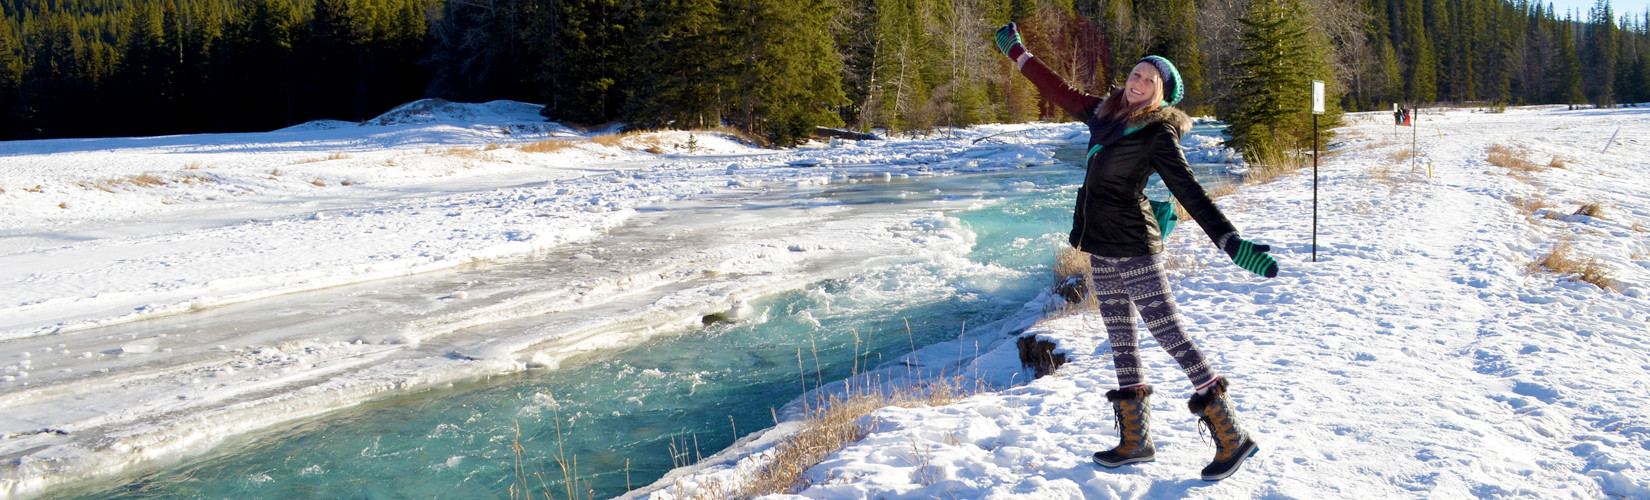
1145 85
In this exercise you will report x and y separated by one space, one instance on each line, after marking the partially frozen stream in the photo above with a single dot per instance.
654 345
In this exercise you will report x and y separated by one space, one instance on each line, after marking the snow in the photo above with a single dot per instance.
1418 357
163 294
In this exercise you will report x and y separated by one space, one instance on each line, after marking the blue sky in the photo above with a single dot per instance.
1635 7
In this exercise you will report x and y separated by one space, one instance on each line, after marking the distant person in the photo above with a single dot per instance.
1133 133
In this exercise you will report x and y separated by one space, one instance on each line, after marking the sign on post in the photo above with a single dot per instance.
1317 97
1317 109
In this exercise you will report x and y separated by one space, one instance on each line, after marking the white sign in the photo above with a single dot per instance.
1317 97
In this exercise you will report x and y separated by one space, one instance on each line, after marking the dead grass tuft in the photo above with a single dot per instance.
1218 192
831 425
1563 260
549 146
1558 162
1594 210
1530 204
143 180
1401 155
1638 226
194 165
1070 263
1506 157
318 182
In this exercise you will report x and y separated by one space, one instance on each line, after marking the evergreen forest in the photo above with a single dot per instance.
780 68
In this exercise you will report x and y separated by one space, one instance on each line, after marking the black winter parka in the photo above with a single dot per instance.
1112 217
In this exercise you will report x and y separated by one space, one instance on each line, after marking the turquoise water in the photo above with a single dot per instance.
619 419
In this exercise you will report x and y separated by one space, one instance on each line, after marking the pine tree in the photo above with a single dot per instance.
682 44
1599 73
1421 85
1280 56
793 71
11 82
585 55
1568 89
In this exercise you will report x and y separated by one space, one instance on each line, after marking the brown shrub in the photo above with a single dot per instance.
1563 260
1506 157
1594 210
549 146
1530 204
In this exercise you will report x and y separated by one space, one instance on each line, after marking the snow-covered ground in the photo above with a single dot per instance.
1418 357
164 294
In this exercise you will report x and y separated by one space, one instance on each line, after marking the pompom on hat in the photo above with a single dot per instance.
1173 89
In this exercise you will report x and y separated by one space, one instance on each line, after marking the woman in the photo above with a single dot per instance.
1133 133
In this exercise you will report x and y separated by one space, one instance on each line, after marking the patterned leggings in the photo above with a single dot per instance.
1124 285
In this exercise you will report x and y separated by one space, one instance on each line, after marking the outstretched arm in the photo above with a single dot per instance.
1051 86
1170 163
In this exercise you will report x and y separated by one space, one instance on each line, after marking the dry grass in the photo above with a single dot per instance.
492 146
549 146
1530 204
465 153
144 180
1558 162
1594 210
1563 260
1070 262
1218 192
194 165
1638 226
830 426
1401 155
63 205
1506 157
274 173
1275 165
318 182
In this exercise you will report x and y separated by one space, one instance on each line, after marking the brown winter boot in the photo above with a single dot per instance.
1232 445
1134 422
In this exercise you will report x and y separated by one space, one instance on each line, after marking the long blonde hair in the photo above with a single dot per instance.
1116 106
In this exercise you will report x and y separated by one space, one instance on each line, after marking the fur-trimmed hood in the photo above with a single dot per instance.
1164 114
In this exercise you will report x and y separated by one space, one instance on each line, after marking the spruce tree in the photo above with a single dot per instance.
11 83
1568 88
1421 84
682 45
1599 73
785 58
1280 56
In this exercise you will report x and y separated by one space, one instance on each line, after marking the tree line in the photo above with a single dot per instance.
779 68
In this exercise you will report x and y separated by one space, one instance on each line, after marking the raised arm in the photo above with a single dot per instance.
1051 86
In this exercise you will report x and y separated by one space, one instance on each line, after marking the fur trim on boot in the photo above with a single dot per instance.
1232 444
1134 416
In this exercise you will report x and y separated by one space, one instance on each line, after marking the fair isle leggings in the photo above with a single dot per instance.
1123 285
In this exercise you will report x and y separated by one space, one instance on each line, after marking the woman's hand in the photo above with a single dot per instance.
1248 255
1008 41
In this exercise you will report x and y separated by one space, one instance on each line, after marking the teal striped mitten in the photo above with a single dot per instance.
1249 255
